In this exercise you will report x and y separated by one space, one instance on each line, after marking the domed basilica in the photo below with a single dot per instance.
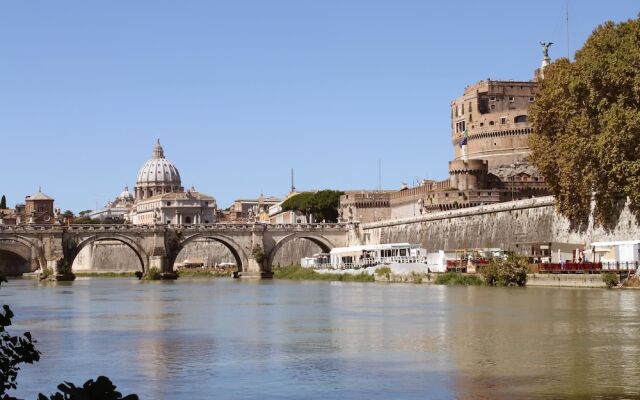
159 198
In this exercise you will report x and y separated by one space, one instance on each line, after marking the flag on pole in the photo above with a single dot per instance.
464 138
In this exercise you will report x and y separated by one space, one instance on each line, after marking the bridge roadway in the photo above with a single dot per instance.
253 246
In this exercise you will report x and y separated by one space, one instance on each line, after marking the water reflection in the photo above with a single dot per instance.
236 339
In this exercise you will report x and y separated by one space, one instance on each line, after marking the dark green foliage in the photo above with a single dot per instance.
610 279
90 274
384 271
204 273
100 389
153 274
84 212
586 126
68 214
298 273
323 205
14 350
258 254
456 278
3 203
509 271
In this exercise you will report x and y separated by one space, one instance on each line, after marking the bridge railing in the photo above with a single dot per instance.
215 226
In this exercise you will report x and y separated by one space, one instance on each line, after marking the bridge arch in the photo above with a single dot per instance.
140 253
236 250
19 249
322 242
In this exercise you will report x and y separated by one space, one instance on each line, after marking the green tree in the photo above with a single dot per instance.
323 205
3 203
586 126
68 214
509 271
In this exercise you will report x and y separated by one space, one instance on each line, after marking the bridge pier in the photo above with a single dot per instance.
162 264
253 270
61 270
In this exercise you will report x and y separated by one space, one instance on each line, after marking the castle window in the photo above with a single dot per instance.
481 123
503 120
492 98
532 99
511 99
520 119
168 203
493 106
490 122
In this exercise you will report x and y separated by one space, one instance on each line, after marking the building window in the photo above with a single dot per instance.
532 99
520 118
206 204
490 122
493 106
481 123
511 99
492 98
503 120
168 204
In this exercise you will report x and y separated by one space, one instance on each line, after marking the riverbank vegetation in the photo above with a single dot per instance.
384 271
456 278
93 274
298 273
509 271
153 274
204 273
610 279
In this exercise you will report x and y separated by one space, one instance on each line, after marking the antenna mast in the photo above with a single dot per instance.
379 174
293 188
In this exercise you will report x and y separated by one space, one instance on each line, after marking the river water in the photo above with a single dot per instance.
235 339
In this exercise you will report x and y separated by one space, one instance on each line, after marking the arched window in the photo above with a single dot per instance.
520 119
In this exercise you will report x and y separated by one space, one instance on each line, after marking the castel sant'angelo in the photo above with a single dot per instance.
490 131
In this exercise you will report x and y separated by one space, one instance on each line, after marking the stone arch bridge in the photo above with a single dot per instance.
157 246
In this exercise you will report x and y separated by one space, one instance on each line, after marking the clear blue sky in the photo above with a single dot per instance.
241 91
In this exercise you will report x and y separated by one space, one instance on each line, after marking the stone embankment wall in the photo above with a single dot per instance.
501 225
113 256
566 280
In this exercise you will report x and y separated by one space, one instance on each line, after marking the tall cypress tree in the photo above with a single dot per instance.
3 203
